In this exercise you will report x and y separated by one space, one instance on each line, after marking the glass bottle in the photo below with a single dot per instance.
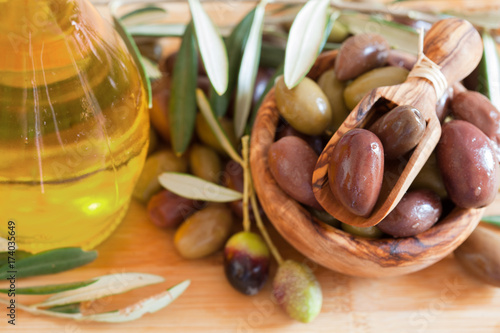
73 124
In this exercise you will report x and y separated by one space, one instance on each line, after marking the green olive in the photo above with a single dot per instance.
378 77
334 91
204 232
305 107
156 164
369 232
338 33
206 135
430 178
205 163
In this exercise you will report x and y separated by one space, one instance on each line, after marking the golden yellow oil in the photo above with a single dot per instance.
73 124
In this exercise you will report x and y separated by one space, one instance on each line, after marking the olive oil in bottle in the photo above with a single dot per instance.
73 124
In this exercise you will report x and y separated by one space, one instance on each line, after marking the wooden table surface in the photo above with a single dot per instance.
441 298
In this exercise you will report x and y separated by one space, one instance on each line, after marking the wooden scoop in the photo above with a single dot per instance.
455 46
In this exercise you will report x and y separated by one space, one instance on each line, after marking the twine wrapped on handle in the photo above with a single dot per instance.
427 69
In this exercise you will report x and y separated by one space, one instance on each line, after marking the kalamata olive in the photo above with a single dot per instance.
368 232
399 130
359 54
334 91
297 291
477 109
430 178
378 77
205 163
204 232
206 135
416 212
168 210
316 142
233 179
305 107
356 171
246 262
468 164
156 164
263 76
291 162
480 255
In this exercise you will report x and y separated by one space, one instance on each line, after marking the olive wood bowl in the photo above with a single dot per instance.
332 247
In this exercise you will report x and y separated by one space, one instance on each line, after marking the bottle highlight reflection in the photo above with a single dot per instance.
73 124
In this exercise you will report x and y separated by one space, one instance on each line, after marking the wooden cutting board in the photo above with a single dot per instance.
441 298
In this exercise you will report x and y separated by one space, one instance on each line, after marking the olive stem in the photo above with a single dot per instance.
246 183
262 228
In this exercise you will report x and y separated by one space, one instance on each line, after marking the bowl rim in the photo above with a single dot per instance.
334 248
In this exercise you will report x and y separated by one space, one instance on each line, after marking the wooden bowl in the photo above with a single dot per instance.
334 248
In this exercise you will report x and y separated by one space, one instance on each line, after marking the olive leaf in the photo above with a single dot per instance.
157 30
195 188
133 312
494 220
103 286
399 36
305 40
49 262
152 69
49 289
215 126
137 310
235 45
182 110
212 48
146 14
489 68
248 72
136 55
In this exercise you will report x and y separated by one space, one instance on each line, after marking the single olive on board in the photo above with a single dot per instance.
334 91
168 210
305 107
297 291
480 255
205 163
291 162
356 171
417 211
246 262
477 109
468 164
360 53
378 77
204 232
399 130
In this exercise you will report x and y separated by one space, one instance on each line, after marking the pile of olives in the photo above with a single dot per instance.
463 171
202 228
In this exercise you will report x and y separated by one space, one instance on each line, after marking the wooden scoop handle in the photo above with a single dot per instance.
456 46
